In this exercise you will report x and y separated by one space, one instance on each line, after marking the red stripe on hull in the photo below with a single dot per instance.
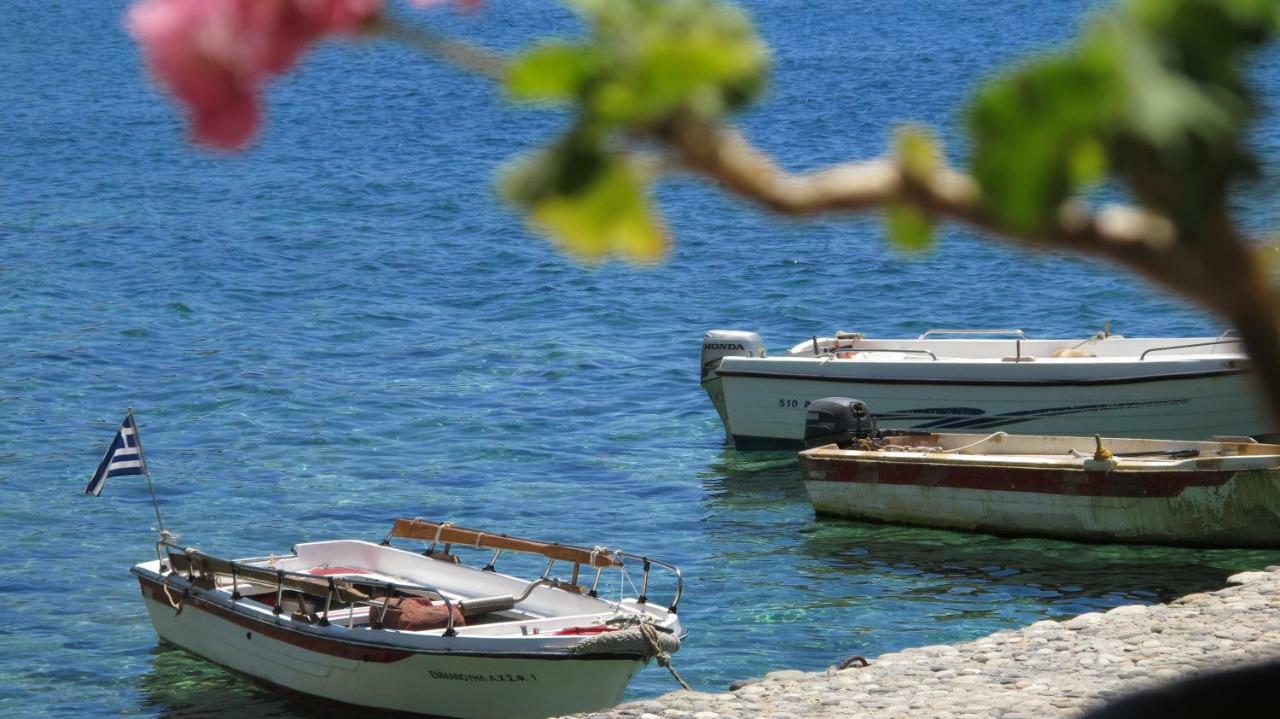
154 590
1015 479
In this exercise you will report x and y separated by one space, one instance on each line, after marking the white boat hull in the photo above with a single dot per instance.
375 625
762 412
447 682
1170 388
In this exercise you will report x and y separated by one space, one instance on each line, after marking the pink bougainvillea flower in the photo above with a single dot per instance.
215 56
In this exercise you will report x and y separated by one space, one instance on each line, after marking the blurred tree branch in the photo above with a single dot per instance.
1219 272
1206 259
1151 96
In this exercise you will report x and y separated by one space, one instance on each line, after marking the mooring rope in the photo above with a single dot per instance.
971 445
869 446
650 633
181 601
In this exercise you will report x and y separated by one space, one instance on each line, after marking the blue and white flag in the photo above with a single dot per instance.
123 458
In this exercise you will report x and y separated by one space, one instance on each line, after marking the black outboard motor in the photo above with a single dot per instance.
838 420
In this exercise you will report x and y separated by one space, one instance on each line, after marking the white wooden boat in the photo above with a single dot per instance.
1172 388
1217 493
488 646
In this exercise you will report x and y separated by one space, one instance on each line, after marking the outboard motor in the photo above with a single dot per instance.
717 344
838 420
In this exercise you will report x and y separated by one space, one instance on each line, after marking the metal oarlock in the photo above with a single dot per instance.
595 583
644 584
328 602
493 561
386 604
279 592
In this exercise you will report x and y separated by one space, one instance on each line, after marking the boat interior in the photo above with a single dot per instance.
1013 345
367 585
1060 448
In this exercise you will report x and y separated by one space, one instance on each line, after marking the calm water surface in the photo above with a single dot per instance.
344 326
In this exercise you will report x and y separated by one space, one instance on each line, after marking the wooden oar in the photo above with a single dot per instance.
449 534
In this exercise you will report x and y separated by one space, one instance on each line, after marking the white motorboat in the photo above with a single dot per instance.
975 380
1221 494
374 625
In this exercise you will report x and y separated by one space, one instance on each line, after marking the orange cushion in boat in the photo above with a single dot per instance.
415 614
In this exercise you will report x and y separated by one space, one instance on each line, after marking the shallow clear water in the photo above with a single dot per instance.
344 326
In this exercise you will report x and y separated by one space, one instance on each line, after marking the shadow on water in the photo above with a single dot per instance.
182 686
745 479
1068 576
815 590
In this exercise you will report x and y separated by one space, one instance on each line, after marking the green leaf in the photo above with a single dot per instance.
610 217
1086 162
550 72
657 57
917 150
909 229
593 204
1153 93
1037 131
645 62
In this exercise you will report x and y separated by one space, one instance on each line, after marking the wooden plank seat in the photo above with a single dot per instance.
206 568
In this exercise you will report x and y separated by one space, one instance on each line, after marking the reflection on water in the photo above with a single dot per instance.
805 592
181 685
980 583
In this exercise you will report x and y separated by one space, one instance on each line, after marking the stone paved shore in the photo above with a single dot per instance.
1049 669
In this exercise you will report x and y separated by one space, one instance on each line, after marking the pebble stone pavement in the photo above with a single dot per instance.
1048 669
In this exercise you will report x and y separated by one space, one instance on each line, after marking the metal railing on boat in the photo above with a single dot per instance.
940 331
599 558
200 567
1189 346
856 350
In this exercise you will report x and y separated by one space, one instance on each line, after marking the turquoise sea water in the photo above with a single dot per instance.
344 325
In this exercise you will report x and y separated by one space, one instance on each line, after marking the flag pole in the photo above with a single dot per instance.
146 472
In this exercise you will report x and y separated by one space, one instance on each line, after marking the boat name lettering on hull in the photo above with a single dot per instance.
463 677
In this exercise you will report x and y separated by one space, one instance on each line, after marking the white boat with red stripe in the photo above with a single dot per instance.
1215 493
374 625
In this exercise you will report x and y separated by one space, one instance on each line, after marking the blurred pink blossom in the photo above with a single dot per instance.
215 56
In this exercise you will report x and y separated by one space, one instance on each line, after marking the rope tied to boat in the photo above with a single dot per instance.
853 661
182 599
1101 453
971 445
925 449
650 633
440 532
630 635
598 551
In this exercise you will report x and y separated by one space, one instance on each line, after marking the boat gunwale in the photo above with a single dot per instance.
764 374
1045 461
245 615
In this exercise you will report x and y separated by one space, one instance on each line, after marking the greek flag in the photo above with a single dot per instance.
123 457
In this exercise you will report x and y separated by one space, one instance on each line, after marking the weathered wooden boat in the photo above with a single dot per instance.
1215 493
974 380
374 625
